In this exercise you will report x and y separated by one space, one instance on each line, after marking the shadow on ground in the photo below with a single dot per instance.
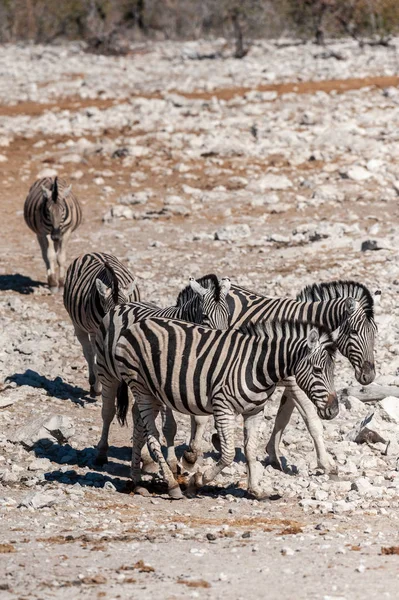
55 387
19 283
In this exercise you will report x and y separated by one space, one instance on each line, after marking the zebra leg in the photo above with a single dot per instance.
108 410
88 351
314 425
282 419
146 405
61 256
198 426
137 444
169 429
225 424
95 385
251 434
49 257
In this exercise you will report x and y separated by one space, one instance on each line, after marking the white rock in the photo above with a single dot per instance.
47 173
57 428
270 182
357 173
39 500
70 158
230 233
3 158
390 409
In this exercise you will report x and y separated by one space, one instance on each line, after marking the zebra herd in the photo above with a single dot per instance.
221 350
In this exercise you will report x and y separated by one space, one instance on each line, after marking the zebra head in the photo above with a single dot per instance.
314 371
213 303
111 292
356 340
55 208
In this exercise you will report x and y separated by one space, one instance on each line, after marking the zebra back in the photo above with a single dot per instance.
51 207
346 306
85 300
189 367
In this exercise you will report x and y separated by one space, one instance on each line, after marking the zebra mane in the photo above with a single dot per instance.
340 289
54 192
291 328
113 281
207 281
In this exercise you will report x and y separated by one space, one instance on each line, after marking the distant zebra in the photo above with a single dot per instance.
346 306
199 371
53 212
95 283
204 305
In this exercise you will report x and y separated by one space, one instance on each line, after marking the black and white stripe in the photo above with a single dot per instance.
95 283
345 307
205 304
53 212
200 371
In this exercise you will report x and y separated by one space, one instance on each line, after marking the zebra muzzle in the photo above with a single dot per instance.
332 407
366 374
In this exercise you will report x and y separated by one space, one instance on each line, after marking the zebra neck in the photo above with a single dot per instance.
190 310
278 358
333 314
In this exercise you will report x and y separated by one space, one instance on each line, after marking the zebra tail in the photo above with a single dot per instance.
122 402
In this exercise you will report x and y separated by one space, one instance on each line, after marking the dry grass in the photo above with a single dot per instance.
197 583
390 550
7 548
291 530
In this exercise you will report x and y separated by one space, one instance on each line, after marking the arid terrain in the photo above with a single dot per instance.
278 171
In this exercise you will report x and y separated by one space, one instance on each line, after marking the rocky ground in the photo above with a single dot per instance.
278 170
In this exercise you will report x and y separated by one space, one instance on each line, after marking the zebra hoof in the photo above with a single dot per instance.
53 289
190 456
94 393
141 491
175 493
100 460
216 442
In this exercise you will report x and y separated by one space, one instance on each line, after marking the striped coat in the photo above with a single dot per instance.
346 307
53 212
95 283
197 370
207 305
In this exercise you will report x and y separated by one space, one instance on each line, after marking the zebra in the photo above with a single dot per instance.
198 371
202 305
346 306
53 212
95 283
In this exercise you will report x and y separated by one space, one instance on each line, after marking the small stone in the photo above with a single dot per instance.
246 535
287 552
211 537
231 233
370 245
357 173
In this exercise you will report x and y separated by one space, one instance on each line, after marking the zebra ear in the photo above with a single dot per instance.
46 192
103 290
313 339
225 287
130 288
350 304
334 335
197 288
67 191
377 297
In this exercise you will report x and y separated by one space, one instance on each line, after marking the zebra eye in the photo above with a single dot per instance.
317 370
354 332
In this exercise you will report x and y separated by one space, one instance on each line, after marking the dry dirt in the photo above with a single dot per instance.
102 544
